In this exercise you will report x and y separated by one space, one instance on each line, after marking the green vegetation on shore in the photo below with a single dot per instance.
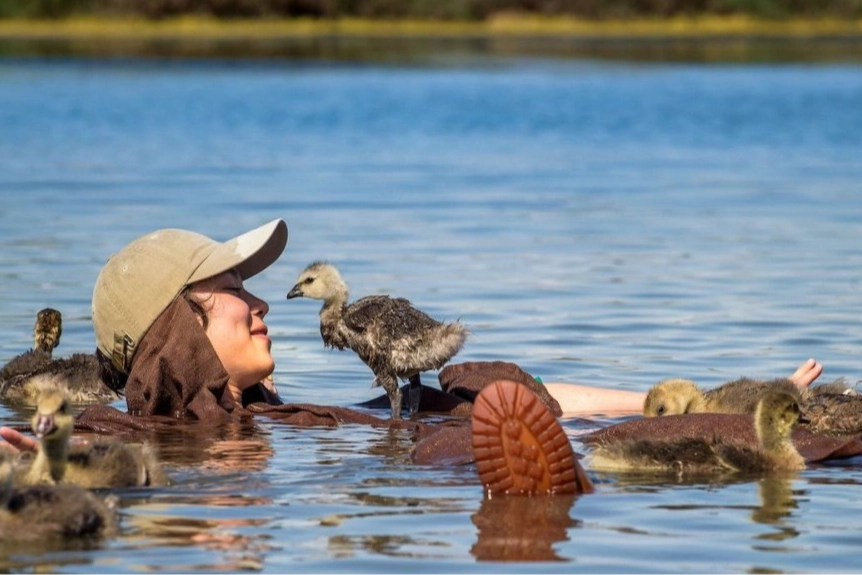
448 10
203 27
277 18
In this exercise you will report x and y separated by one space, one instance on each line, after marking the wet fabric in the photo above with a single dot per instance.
450 443
431 400
466 380
176 371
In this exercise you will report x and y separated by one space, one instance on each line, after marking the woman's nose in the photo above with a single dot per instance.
257 305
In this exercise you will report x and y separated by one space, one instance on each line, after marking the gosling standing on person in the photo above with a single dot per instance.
392 337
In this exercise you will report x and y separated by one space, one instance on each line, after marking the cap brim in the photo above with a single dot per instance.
250 253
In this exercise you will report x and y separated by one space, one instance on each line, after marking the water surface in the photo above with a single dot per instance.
607 222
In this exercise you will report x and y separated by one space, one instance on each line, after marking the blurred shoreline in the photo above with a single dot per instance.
203 28
434 43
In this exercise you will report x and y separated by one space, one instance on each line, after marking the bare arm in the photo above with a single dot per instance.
586 400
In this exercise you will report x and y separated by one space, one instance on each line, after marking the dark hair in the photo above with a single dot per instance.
114 378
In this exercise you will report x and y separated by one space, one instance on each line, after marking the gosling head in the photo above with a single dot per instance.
48 329
320 280
672 397
53 419
777 413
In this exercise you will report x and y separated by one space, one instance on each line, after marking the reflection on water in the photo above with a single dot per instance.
235 446
166 523
522 528
777 502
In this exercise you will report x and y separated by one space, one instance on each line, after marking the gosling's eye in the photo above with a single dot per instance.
64 407
660 411
308 281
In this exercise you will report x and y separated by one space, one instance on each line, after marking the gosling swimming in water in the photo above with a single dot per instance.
42 513
25 376
775 417
98 464
394 338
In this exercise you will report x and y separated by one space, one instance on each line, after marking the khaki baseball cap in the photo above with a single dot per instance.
139 282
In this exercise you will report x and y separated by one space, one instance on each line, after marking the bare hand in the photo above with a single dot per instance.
16 441
807 373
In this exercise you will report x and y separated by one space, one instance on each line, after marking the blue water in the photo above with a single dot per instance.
600 222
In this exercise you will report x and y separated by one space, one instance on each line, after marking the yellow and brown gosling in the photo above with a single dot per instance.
776 415
45 513
390 335
678 396
98 464
832 408
52 424
674 397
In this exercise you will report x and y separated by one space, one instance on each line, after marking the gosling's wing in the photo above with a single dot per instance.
368 311
19 369
742 458
103 464
738 396
80 374
681 454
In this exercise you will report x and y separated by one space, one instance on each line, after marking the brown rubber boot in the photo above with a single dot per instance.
520 447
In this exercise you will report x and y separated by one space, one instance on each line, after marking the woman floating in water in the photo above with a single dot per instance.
180 335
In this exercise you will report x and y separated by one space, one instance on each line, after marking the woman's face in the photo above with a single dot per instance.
236 328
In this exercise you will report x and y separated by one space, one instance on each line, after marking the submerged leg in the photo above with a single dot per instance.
414 394
390 384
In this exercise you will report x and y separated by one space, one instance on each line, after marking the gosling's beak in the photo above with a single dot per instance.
295 291
43 425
